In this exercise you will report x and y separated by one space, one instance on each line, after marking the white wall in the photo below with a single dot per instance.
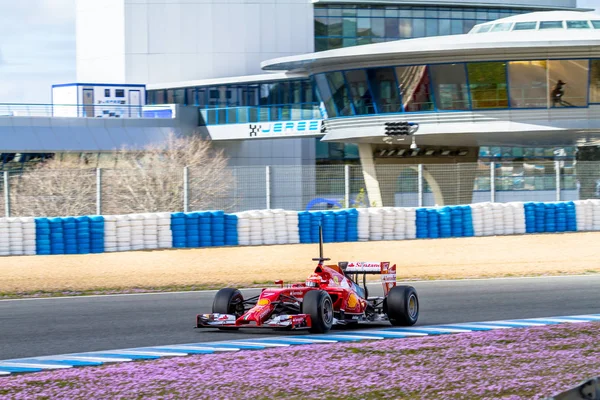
157 41
504 3
100 41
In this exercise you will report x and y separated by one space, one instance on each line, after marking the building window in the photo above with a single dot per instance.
487 85
450 86
568 81
359 90
106 92
527 84
119 93
385 89
415 88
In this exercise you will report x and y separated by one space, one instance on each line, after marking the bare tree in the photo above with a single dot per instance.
147 180
151 180
54 188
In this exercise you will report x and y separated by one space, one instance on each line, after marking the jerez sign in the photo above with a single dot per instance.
266 130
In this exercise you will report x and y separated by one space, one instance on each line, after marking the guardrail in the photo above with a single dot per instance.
86 110
98 234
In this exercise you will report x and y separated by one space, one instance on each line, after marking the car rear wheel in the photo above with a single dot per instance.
228 301
318 304
402 306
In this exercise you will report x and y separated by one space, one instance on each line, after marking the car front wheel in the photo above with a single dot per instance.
318 304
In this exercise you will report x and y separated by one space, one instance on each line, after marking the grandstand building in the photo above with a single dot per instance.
301 83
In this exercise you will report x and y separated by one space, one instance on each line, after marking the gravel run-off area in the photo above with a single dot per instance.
184 269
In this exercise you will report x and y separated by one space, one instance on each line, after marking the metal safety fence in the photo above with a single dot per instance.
72 192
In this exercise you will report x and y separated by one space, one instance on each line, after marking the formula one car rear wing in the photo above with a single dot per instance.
387 272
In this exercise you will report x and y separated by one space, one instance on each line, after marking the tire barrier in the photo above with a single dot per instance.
111 233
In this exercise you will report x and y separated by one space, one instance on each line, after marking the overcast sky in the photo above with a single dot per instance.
37 47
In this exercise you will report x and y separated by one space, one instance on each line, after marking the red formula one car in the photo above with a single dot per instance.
330 296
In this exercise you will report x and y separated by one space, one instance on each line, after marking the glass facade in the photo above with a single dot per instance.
248 102
460 87
345 25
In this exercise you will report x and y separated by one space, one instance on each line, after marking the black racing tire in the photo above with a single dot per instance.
318 304
228 301
402 306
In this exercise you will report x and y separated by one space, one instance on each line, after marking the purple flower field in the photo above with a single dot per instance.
528 363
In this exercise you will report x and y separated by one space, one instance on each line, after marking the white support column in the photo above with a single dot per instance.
346 186
420 184
367 161
557 172
493 182
268 186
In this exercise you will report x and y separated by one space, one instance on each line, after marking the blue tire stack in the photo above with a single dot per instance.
84 240
97 234
57 239
178 229
467 217
540 218
341 226
42 236
561 217
550 217
571 217
421 223
352 225
231 235
328 227
304 227
192 234
218 228
433 224
445 220
530 226
70 235
457 222
316 218
204 226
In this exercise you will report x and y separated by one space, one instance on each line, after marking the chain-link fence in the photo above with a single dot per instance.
119 191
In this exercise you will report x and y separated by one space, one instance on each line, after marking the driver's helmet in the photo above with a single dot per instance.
313 281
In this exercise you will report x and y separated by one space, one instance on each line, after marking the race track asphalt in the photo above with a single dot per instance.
37 327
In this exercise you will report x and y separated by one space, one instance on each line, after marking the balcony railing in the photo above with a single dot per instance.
240 115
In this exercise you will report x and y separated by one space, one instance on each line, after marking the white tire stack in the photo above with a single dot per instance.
596 215
508 215
519 218
110 233
291 221
4 237
411 223
256 231
165 235
363 224
15 234
123 233
29 241
281 232
375 224
400 223
477 211
589 215
268 227
137 231
150 231
389 223
498 215
580 214
243 228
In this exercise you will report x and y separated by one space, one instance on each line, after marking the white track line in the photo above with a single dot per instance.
24 364
258 288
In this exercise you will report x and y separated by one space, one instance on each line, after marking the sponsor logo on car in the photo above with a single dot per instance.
363 266
263 302
352 300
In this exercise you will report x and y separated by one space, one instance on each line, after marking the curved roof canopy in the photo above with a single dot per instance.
555 34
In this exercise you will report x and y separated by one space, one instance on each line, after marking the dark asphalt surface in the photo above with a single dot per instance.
39 327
